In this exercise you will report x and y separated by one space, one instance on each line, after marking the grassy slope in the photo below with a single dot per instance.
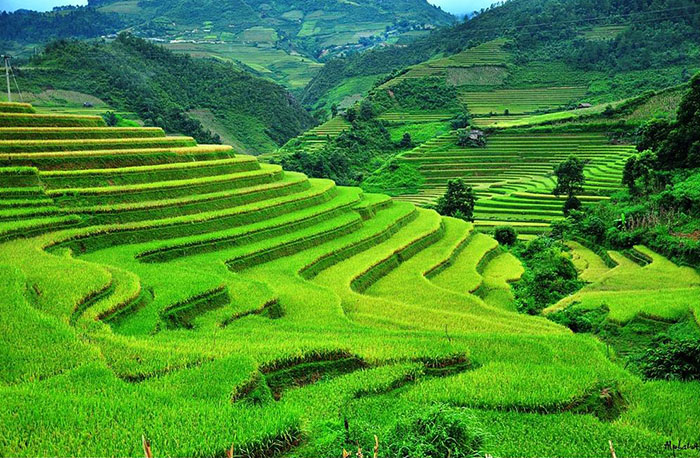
305 309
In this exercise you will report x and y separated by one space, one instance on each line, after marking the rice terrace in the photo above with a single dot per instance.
350 229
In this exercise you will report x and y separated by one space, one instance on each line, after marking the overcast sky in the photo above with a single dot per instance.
453 6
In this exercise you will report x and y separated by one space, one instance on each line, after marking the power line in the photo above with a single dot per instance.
21 99
7 58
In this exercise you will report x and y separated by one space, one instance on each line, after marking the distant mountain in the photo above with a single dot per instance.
613 39
179 93
284 40
311 26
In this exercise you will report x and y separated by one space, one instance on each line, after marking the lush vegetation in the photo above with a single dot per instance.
68 22
296 316
205 297
260 114
659 208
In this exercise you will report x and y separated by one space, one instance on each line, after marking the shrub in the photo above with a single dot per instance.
461 121
437 431
505 235
672 360
579 319
406 141
572 203
549 275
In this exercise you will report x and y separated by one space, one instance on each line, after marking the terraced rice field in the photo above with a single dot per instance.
520 101
415 117
314 139
200 298
642 283
513 175
486 55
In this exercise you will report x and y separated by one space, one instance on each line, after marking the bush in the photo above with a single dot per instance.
461 121
672 360
406 141
579 319
505 235
572 203
549 275
437 431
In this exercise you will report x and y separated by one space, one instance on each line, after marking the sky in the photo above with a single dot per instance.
458 7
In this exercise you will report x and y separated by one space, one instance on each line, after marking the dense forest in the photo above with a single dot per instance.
69 22
135 75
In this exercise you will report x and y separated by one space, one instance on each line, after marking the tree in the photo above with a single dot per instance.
334 110
351 114
366 110
111 119
570 181
609 111
458 201
406 141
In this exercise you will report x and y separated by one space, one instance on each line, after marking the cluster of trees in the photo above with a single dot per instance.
429 93
361 156
132 74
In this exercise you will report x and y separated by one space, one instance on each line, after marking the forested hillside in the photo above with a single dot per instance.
171 91
625 46
285 41
33 27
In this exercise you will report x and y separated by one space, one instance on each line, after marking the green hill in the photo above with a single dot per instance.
611 51
181 94
285 41
160 288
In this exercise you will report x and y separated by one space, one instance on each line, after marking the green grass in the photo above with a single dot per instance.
263 309
660 290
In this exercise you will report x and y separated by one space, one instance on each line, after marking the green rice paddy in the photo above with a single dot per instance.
154 287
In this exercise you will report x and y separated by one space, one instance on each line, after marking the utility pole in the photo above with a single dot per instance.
7 75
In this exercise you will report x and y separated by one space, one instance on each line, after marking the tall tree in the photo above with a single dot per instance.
458 201
570 181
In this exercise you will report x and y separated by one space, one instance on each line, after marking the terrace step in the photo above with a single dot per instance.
346 199
289 244
34 226
101 159
74 133
96 237
17 213
49 146
159 189
14 107
360 271
49 120
291 183
461 275
147 174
